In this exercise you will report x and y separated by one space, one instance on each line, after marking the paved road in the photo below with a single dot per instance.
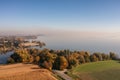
62 74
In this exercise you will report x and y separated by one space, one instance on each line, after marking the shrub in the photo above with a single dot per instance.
10 60
47 65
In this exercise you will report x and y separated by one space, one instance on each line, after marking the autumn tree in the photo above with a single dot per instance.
98 55
87 56
16 57
22 55
47 65
60 63
105 56
93 58
36 59
72 62
113 56
81 59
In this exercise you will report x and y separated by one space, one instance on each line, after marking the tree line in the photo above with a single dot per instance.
58 59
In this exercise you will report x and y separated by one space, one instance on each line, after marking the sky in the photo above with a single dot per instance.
75 24
71 15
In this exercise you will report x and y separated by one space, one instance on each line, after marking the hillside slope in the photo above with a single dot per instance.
102 70
24 72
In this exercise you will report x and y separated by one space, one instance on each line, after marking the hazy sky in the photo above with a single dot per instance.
80 15
75 24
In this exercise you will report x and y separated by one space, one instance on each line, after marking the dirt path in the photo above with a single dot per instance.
62 74
20 69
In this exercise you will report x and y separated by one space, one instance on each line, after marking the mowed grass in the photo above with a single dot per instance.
102 70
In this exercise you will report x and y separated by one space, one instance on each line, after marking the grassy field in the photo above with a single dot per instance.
25 72
103 70
35 75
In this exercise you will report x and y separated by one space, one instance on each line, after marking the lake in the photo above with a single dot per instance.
76 43
4 57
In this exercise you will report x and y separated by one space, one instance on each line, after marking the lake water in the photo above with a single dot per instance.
75 43
4 57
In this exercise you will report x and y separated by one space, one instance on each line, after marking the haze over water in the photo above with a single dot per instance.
90 41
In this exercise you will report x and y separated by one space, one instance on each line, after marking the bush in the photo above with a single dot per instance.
37 59
16 57
10 60
47 65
